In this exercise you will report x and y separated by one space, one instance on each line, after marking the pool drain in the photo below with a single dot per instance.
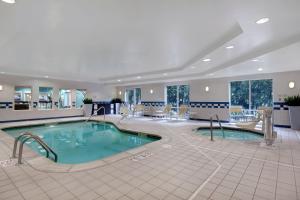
141 156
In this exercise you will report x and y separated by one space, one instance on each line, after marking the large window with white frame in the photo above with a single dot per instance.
79 95
133 96
177 95
45 98
65 99
251 94
23 96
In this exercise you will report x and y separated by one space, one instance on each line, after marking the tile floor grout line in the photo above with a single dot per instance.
262 160
210 177
258 180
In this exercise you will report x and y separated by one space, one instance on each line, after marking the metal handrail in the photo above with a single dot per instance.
220 125
102 107
211 127
26 136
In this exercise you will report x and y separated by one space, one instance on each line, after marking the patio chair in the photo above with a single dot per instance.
251 125
182 112
236 113
138 110
166 112
124 112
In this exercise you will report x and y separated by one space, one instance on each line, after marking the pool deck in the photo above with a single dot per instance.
182 165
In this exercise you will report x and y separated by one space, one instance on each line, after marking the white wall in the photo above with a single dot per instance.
96 91
219 92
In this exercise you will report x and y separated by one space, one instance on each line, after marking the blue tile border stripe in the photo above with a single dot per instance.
6 105
282 126
153 103
196 104
280 106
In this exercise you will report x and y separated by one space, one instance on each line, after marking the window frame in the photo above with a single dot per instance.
16 103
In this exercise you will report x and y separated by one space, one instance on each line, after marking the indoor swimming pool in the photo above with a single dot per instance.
231 134
81 142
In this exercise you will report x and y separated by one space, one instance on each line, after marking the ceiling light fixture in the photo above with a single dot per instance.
255 60
211 74
262 20
165 74
120 92
1 87
151 91
193 67
2 72
9 1
230 47
119 80
206 60
46 76
138 77
260 69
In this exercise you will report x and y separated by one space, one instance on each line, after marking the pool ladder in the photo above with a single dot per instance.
102 107
27 136
211 127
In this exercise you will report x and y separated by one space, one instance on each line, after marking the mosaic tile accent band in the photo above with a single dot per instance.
6 105
153 103
195 104
280 106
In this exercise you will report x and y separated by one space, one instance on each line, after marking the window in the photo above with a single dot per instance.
22 98
64 99
177 95
80 95
133 96
251 94
45 97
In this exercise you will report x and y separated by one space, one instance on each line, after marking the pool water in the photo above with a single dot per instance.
80 142
231 134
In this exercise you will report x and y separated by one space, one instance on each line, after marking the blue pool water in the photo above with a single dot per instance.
80 142
231 134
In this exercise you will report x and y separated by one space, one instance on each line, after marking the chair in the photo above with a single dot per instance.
124 112
251 125
183 109
236 113
162 113
138 110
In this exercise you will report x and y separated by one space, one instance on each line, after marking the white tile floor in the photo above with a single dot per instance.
182 165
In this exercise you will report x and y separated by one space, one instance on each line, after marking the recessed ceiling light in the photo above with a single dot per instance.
206 60
263 20
255 60
119 80
165 74
211 74
2 72
9 1
260 69
46 76
193 67
138 77
230 47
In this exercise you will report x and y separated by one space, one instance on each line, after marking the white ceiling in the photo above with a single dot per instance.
159 40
